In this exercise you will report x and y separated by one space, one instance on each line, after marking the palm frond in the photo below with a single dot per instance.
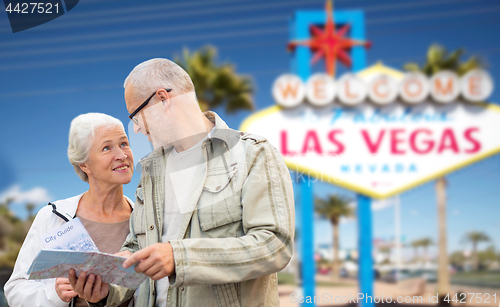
334 207
439 59
216 84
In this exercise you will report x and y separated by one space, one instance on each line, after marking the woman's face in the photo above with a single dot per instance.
110 157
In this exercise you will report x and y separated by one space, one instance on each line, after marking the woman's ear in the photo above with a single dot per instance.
84 168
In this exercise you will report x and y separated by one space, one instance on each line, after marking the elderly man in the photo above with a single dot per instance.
214 215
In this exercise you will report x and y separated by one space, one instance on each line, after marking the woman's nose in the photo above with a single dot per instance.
120 155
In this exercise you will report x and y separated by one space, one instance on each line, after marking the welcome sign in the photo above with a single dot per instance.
378 150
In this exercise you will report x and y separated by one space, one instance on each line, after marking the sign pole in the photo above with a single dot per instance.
299 29
398 236
307 239
365 263
300 64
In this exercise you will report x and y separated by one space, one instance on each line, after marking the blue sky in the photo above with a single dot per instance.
77 63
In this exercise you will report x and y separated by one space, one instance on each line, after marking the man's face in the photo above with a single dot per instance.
151 119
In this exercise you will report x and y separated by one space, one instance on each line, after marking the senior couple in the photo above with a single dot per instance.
213 216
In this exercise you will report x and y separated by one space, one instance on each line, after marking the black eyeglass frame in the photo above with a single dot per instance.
131 116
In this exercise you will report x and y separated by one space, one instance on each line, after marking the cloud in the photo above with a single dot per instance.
379 204
455 212
37 195
344 220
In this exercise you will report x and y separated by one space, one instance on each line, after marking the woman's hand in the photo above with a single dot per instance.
64 290
90 288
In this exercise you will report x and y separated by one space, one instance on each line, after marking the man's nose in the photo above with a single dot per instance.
137 128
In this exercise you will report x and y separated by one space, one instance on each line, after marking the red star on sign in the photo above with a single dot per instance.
328 44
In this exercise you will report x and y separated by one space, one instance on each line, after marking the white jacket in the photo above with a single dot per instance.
21 292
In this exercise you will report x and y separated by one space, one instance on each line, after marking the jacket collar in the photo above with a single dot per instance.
68 206
221 130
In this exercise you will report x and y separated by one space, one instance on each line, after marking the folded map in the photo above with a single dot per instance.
51 263
71 235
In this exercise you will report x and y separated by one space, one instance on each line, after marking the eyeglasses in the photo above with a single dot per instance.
131 116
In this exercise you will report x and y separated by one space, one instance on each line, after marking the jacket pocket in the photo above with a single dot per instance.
139 226
227 295
139 196
219 203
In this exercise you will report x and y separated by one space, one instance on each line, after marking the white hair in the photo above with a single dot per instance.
81 134
154 74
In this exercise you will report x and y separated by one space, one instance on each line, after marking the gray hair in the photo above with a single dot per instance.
159 73
81 134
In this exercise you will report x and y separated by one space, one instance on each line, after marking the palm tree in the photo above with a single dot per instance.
443 273
415 244
457 259
215 84
487 256
425 242
475 237
5 229
387 251
5 207
30 207
7 221
439 59
333 208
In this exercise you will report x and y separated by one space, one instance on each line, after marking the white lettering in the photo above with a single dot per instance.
352 89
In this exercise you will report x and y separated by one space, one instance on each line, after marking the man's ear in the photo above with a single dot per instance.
163 94
165 98
166 103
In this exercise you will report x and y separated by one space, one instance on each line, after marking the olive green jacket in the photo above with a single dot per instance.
238 231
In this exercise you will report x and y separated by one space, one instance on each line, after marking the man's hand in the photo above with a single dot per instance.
125 254
90 289
64 289
156 261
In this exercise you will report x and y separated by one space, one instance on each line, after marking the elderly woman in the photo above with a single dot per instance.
100 153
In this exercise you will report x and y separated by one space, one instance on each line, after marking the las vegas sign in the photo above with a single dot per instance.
380 132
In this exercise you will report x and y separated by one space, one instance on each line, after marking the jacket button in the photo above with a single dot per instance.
182 289
151 227
217 188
